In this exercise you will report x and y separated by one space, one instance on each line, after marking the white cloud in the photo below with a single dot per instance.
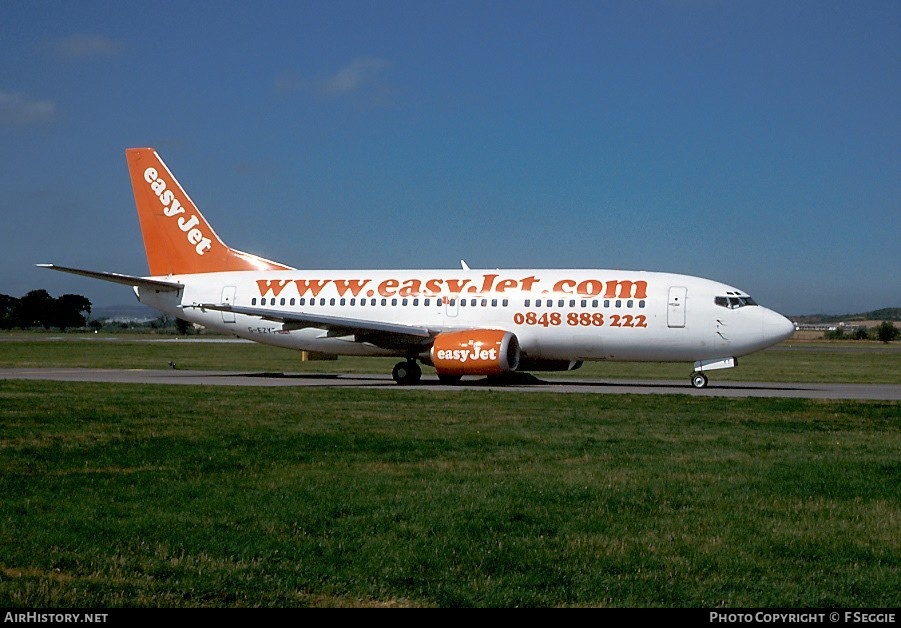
84 46
353 77
17 109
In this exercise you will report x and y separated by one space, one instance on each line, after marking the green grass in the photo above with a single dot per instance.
172 496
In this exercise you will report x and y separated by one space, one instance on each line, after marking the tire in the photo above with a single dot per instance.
406 373
698 380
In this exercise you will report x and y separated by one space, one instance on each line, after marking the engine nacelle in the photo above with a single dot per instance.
475 352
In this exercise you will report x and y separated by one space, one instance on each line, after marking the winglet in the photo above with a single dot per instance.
177 238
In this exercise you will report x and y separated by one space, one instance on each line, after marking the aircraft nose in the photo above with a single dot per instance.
776 327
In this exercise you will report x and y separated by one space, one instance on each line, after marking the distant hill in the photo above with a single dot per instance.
135 313
885 314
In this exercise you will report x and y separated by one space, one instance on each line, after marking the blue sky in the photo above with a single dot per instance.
754 143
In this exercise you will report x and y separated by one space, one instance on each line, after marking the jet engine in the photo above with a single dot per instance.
475 352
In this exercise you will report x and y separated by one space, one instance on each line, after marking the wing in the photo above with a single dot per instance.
381 334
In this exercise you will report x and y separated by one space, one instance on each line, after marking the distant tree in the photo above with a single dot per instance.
70 311
835 334
182 326
861 334
39 309
886 332
8 307
35 309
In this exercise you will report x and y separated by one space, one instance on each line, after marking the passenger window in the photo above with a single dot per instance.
494 303
253 301
506 301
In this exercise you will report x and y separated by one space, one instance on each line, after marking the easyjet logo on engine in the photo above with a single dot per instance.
172 207
473 352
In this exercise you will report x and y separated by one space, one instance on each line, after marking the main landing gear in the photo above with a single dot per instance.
698 380
406 373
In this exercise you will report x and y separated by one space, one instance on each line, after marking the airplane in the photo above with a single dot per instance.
466 322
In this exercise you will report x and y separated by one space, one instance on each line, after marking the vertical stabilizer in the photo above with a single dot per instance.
177 238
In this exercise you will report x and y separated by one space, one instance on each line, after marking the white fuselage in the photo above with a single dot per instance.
555 314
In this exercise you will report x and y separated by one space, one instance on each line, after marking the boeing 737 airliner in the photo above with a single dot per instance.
461 322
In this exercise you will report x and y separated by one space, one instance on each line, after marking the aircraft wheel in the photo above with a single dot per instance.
698 380
406 373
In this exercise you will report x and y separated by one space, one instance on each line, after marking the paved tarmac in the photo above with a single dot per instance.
524 383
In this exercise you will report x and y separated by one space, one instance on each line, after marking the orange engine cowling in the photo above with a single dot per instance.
475 352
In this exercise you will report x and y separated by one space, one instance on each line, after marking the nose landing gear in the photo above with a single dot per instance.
698 380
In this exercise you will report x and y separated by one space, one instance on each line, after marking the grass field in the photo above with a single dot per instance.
174 496
850 362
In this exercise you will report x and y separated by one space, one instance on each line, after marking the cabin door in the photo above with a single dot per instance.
228 298
675 306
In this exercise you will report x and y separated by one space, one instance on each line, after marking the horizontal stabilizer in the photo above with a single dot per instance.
127 280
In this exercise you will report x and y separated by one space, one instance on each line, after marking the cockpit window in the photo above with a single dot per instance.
734 301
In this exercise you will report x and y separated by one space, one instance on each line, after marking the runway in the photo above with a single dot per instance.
525 383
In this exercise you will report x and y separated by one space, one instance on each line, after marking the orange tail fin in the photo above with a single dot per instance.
177 238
